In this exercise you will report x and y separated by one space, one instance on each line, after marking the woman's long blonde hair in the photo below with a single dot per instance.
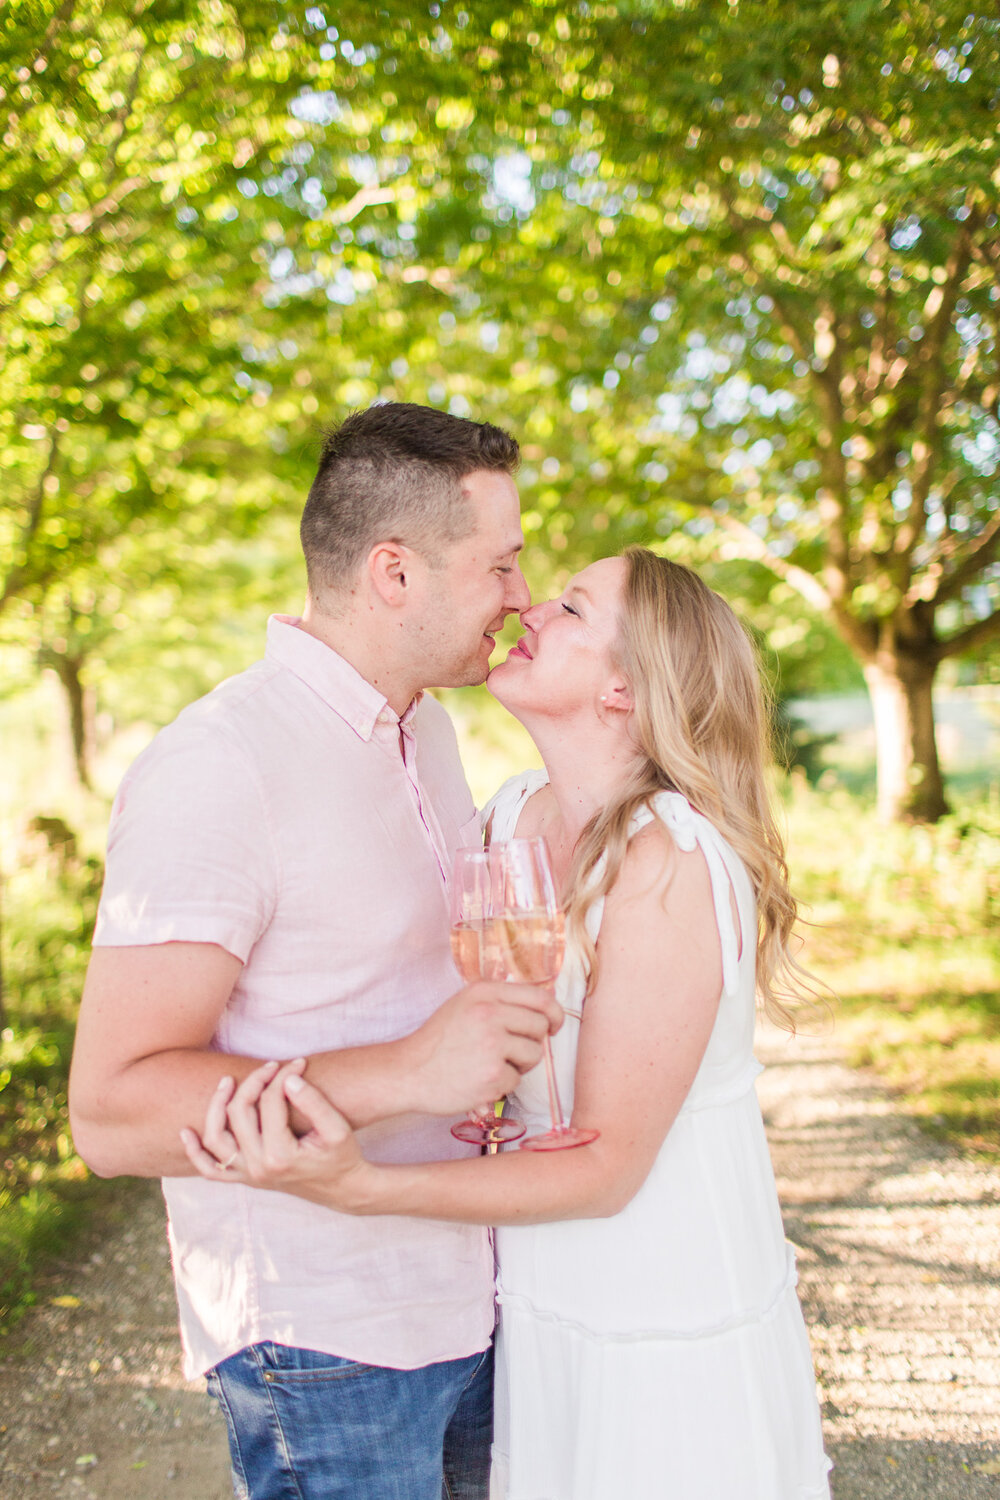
701 722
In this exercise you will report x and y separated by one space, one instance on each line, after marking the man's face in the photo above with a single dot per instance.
475 585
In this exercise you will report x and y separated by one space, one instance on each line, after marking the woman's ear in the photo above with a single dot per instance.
618 698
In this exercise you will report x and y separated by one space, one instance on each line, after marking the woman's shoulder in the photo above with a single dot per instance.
672 811
663 841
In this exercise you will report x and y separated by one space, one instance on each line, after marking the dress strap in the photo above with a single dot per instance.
688 830
504 807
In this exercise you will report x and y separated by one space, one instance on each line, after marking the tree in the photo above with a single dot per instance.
138 387
762 244
817 191
726 270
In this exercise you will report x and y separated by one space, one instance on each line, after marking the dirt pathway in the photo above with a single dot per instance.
899 1243
899 1271
92 1402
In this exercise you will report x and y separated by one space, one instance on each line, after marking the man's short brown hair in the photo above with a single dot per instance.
393 473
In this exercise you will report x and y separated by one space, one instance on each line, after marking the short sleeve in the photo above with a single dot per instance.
190 855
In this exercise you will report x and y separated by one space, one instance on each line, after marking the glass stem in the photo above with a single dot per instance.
555 1107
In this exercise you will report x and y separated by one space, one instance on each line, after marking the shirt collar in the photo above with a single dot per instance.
340 686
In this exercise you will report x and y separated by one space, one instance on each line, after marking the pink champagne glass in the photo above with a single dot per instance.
475 948
531 928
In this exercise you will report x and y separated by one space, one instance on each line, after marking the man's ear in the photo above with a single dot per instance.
388 568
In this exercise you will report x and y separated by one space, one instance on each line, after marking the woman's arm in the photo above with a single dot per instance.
646 1028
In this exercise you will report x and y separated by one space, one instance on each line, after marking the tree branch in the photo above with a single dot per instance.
756 548
980 554
926 449
980 633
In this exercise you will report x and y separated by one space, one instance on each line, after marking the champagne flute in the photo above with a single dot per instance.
475 948
532 936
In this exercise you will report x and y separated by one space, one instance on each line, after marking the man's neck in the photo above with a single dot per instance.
361 648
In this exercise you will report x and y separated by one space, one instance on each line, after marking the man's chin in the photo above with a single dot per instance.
470 674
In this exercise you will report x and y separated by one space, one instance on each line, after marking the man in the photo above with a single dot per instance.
276 887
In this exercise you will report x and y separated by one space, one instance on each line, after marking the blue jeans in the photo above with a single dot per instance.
309 1426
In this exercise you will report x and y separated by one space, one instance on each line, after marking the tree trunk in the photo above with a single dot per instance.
67 669
910 787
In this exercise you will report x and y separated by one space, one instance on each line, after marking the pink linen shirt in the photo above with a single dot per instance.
292 818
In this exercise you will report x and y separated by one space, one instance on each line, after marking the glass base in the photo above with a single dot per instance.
487 1132
559 1140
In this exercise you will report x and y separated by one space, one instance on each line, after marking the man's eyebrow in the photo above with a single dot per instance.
512 550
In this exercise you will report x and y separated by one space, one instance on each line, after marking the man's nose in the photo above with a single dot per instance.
518 596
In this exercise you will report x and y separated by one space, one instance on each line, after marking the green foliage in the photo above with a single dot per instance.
49 915
904 932
729 273
128 275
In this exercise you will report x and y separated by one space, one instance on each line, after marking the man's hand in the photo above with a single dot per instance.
475 1047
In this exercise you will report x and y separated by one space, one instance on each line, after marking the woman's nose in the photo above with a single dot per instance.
534 617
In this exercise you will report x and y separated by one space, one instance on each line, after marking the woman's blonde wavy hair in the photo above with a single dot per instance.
701 721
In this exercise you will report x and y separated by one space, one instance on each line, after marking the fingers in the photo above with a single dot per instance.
277 1137
522 1053
537 1008
215 1132
520 1021
260 1147
244 1121
207 1165
326 1122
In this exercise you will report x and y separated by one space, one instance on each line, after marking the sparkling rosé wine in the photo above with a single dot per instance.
476 950
533 945
478 954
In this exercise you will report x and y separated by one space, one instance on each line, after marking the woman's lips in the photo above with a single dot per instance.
519 650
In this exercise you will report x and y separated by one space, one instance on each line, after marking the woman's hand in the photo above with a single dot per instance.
247 1138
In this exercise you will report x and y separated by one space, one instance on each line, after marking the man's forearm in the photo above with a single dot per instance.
131 1125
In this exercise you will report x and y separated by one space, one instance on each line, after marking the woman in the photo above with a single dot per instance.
651 1341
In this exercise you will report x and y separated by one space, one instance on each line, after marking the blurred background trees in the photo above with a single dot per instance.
730 273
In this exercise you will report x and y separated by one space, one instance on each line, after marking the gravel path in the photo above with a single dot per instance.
898 1243
899 1271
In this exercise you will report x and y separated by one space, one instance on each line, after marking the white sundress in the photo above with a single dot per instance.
661 1352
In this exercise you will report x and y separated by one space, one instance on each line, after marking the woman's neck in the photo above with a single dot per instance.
586 769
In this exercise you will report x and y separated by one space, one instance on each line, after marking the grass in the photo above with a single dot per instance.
905 923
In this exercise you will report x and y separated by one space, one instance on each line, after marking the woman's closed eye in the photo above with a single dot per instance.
570 610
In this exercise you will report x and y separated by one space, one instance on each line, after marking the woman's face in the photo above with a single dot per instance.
563 663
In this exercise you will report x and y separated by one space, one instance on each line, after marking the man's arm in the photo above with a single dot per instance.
143 1065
